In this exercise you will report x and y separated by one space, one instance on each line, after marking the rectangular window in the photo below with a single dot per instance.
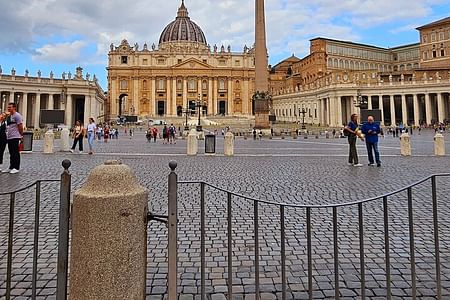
424 38
161 61
441 36
145 62
161 84
123 84
124 59
442 52
205 61
180 61
433 37
222 62
434 54
237 63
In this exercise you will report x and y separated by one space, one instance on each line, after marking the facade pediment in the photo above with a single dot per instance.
192 64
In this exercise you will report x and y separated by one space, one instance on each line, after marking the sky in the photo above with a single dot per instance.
60 35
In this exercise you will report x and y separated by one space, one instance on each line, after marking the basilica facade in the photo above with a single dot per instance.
181 74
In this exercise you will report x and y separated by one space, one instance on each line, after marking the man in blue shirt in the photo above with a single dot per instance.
371 129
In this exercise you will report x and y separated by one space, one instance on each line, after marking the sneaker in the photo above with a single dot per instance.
71 150
6 171
378 165
357 165
81 152
350 164
14 171
371 165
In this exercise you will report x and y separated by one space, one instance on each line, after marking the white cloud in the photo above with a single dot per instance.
290 23
60 53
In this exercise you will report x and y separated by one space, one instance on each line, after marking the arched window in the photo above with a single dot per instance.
144 85
161 84
221 84
179 84
191 84
204 85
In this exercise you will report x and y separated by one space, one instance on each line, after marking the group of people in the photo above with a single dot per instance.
368 132
79 133
11 135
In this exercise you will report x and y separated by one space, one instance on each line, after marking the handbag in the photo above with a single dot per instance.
20 146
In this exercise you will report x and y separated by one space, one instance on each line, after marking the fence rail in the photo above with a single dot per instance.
283 207
65 187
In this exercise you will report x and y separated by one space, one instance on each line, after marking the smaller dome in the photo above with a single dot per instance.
182 29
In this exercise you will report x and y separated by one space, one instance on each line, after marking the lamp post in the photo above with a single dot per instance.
303 112
199 105
186 112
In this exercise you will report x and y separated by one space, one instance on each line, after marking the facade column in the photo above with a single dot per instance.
51 102
11 99
37 111
392 105
136 101
24 109
338 111
185 93
381 106
246 101
215 91
69 106
404 110
153 97
428 112
369 102
416 110
174 96
230 97
441 107
169 107
210 95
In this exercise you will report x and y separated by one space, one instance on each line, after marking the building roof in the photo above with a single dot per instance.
364 45
292 58
435 23
182 29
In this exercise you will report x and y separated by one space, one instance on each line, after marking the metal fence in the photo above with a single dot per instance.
63 230
282 208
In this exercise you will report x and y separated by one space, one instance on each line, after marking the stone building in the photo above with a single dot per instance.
81 97
182 71
410 84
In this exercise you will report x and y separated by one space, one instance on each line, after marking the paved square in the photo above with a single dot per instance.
303 171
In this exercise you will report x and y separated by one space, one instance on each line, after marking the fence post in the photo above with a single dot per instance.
439 145
108 258
63 238
172 238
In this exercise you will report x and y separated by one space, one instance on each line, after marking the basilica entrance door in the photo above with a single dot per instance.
161 108
222 107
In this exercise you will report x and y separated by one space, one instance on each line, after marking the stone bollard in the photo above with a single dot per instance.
405 145
439 145
49 137
192 143
229 144
109 236
65 140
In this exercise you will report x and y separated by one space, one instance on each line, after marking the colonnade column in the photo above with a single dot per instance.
230 97
428 112
416 110
381 107
210 97
441 107
174 96
404 110
24 109
392 106
11 98
369 102
51 102
37 111
69 121
87 109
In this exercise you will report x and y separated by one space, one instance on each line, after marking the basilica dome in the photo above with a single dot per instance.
182 29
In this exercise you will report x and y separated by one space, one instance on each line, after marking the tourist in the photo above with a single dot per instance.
254 134
116 133
164 133
14 134
155 133
77 135
106 134
351 131
91 130
3 138
260 135
371 130
172 132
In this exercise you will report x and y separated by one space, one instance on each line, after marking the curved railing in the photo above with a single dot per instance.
282 207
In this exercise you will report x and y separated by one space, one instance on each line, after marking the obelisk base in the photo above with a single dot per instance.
262 121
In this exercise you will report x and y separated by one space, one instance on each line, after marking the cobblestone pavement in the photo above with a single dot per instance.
312 171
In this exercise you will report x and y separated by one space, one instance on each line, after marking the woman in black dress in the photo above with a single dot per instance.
3 141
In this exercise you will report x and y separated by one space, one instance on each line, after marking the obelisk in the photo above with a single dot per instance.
260 98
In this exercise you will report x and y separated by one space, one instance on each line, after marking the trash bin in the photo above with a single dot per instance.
210 144
27 141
